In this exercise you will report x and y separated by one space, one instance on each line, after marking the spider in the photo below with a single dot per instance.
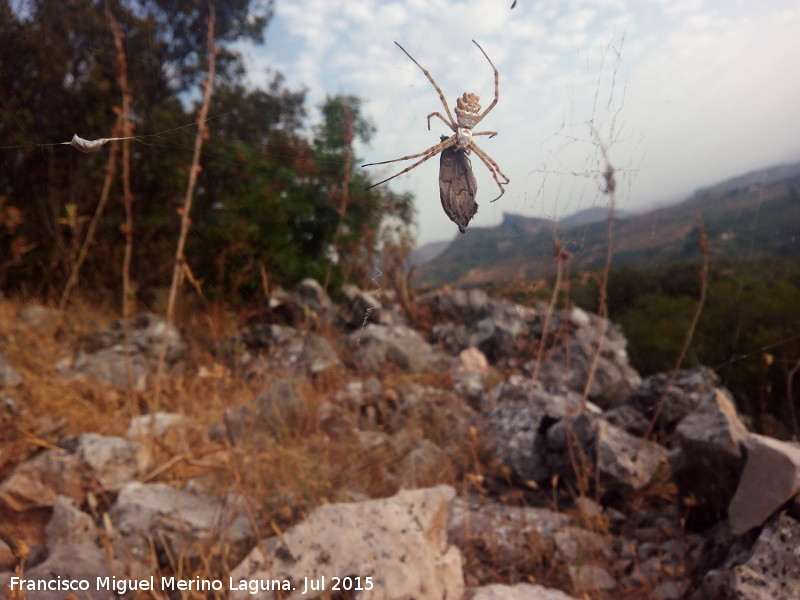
468 115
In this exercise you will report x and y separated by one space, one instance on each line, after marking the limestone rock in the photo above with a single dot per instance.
79 561
623 462
104 356
686 392
517 425
768 571
112 461
400 542
362 307
156 425
506 530
770 478
36 482
286 350
8 374
399 345
69 525
709 462
38 318
521 591
187 521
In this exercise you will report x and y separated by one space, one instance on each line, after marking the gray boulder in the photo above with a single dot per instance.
518 422
709 461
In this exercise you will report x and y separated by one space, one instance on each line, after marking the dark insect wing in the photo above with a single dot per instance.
457 187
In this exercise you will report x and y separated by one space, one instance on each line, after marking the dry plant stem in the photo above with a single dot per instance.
90 232
127 196
602 309
202 133
348 165
704 250
561 257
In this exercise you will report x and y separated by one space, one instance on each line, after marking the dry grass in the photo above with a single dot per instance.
320 451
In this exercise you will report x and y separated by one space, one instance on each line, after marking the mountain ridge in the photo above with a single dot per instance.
748 216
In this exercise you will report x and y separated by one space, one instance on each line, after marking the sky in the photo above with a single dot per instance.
680 94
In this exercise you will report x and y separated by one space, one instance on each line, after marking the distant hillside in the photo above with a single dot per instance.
751 216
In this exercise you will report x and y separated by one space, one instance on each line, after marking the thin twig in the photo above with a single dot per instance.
202 134
127 196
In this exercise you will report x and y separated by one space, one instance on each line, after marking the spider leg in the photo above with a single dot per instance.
428 154
493 167
436 114
491 134
496 86
444 144
438 89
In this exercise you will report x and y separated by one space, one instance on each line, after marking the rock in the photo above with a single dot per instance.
623 463
79 562
285 350
313 302
517 425
111 461
771 477
770 570
103 356
686 392
36 482
709 462
591 579
497 538
8 374
7 558
88 462
69 525
375 346
156 425
399 542
627 418
567 364
583 552
279 406
362 307
423 465
39 318
521 591
472 360
146 333
190 523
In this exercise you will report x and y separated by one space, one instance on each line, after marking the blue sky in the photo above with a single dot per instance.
684 93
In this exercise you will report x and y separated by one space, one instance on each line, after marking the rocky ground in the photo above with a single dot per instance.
472 460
